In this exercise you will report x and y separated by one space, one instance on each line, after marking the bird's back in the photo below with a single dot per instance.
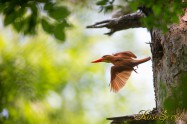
125 55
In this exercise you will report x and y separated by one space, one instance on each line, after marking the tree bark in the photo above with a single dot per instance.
169 53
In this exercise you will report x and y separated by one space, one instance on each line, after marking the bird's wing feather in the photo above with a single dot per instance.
125 54
119 77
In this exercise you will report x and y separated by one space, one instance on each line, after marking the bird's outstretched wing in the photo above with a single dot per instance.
125 55
119 77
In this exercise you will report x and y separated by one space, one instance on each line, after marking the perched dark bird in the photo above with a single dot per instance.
123 66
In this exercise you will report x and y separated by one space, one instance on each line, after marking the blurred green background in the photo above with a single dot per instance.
44 81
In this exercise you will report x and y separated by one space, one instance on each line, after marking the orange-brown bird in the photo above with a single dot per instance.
123 66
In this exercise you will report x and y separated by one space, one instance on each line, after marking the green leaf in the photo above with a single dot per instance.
102 2
17 14
108 8
20 12
47 26
48 6
157 10
59 32
18 25
59 13
32 24
9 19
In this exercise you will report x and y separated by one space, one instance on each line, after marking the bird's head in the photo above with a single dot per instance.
105 58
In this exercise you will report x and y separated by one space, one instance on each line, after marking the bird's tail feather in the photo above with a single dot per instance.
142 60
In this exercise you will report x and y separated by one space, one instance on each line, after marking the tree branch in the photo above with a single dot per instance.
147 118
123 22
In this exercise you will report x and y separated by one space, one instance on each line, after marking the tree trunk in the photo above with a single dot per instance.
169 60
169 53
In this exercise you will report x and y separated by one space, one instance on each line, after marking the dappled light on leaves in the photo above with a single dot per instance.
42 81
26 16
31 74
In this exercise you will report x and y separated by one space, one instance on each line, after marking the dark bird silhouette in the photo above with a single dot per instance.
124 63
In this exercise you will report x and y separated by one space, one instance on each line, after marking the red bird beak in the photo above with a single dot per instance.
98 60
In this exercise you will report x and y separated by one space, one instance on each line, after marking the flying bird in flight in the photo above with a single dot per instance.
124 63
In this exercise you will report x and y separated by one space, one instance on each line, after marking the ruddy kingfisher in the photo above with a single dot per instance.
124 63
